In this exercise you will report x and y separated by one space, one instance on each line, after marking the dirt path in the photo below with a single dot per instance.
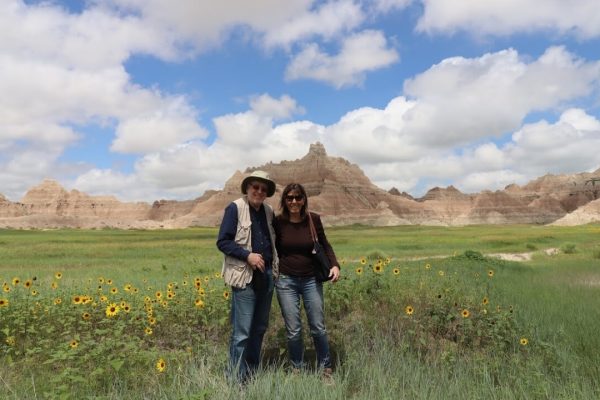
521 256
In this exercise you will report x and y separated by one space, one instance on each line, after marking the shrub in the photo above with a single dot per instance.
474 255
568 248
376 255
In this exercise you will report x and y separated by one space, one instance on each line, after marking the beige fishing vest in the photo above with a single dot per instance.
236 272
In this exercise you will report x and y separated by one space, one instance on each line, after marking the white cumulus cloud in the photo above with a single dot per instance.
360 53
505 17
327 22
490 95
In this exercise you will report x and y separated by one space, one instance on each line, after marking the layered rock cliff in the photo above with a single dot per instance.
337 189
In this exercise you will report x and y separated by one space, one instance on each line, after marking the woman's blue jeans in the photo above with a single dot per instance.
289 291
249 318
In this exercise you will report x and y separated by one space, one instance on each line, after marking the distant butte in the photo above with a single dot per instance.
337 189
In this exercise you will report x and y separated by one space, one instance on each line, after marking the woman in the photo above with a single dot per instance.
296 276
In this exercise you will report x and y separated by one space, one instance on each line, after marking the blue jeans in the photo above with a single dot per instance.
249 319
289 291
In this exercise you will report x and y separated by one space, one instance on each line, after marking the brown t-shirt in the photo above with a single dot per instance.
294 246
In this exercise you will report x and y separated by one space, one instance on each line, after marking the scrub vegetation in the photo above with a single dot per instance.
420 313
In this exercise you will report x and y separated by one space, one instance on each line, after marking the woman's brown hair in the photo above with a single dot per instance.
285 212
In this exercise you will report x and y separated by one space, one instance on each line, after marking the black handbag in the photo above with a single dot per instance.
320 261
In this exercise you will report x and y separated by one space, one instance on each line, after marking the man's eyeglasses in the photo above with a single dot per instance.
298 198
259 188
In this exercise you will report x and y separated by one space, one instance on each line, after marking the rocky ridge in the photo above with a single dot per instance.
337 189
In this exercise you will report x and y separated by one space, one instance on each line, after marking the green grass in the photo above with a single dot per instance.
382 352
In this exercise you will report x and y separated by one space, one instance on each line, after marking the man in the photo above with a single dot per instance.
247 239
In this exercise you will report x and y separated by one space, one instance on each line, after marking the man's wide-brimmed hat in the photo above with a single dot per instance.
260 176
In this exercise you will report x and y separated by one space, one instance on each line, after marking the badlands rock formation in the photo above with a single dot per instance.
337 189
584 215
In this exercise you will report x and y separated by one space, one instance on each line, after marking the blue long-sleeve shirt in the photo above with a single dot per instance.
261 240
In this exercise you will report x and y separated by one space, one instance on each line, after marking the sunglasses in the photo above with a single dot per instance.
298 198
259 188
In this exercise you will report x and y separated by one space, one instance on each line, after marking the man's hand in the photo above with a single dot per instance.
256 261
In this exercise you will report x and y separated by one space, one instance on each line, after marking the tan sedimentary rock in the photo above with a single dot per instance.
49 205
586 214
337 189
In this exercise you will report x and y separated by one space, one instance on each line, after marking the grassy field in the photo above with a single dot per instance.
421 313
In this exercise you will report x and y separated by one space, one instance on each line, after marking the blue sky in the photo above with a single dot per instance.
157 99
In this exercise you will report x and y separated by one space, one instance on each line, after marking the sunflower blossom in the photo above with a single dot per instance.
112 310
161 365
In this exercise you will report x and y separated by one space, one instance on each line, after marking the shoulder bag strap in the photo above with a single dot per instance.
313 231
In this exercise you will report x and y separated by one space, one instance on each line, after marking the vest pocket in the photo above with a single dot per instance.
242 237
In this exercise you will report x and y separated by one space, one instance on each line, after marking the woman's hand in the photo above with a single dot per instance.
334 273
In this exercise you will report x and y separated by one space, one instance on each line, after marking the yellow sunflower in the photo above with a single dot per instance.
54 285
73 344
4 303
524 341
359 271
148 331
226 295
490 273
485 301
161 365
112 310
427 266
377 268
199 303
465 313
6 288
363 260
86 316
409 310
57 301
28 283
16 281
396 271
58 275
77 300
